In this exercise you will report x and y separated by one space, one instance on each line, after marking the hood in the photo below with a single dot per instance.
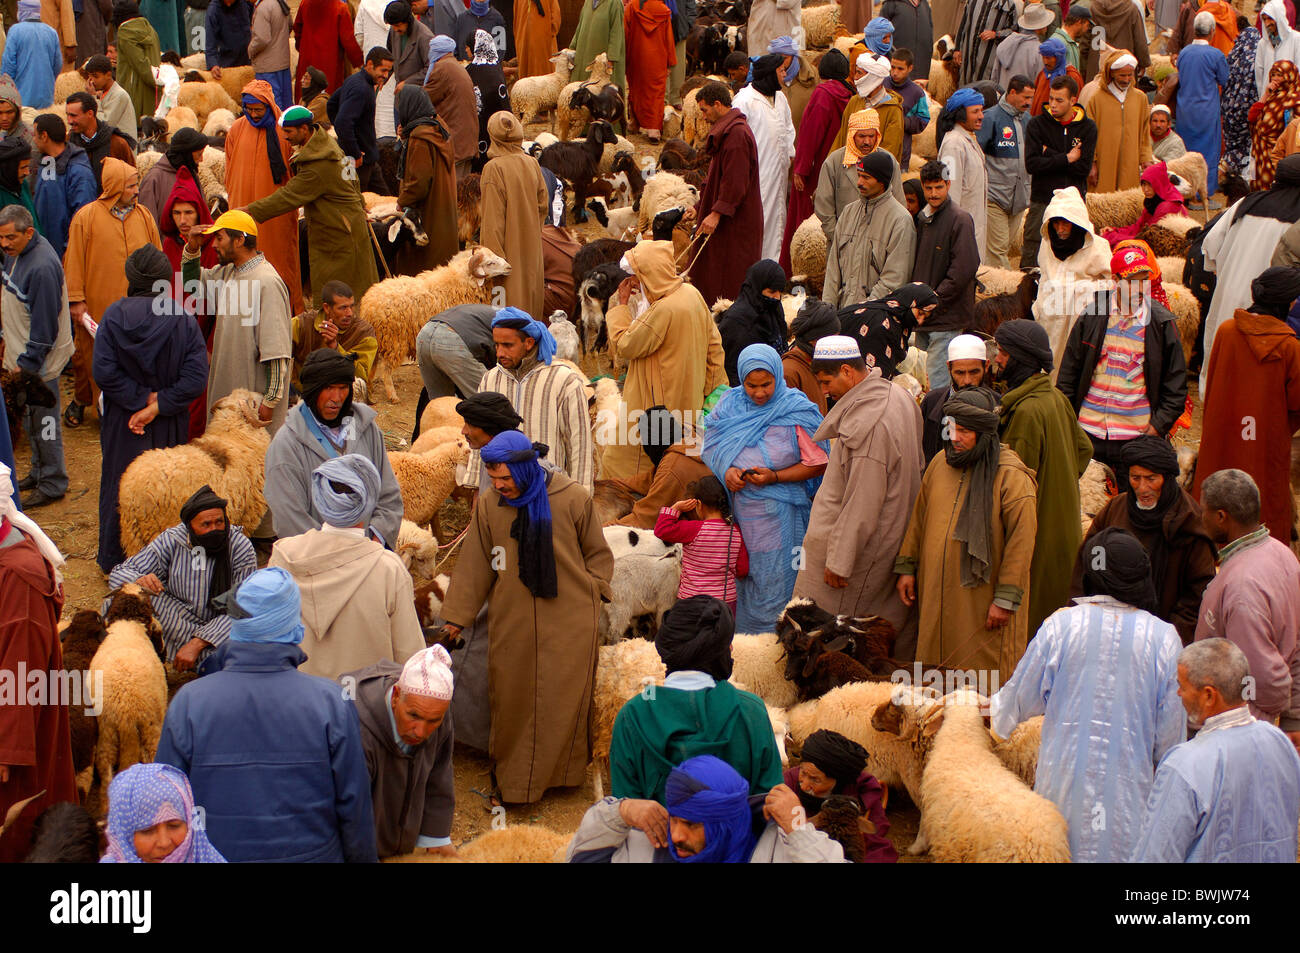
855 414
1265 334
261 90
330 568
9 92
145 331
69 155
319 148
185 190
654 266
138 30
647 18
1037 382
1110 57
1276 11
1069 205
1157 176
113 177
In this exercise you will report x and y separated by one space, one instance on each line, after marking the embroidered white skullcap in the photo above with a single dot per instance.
427 673
967 347
836 347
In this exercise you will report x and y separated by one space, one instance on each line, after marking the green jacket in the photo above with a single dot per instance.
600 31
324 183
1039 424
137 56
24 198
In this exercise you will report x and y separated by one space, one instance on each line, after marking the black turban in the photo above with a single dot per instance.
12 152
1116 565
658 430
696 635
816 319
203 499
316 83
182 146
1154 453
766 79
216 543
1157 455
490 412
1274 291
835 756
975 408
322 368
1027 347
145 267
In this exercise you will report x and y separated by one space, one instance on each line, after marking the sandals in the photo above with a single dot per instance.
74 415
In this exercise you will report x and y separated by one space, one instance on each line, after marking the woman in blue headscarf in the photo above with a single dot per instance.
1056 62
758 441
151 819
879 37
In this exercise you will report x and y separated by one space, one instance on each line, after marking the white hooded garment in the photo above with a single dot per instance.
1266 54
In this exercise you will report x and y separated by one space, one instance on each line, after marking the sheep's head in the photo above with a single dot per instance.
484 264
131 603
239 404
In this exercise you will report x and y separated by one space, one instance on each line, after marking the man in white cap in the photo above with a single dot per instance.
407 735
1121 113
1165 143
968 366
861 510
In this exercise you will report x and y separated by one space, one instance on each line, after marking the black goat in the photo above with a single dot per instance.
661 229
153 135
625 162
605 103
706 46
578 163
594 293
64 834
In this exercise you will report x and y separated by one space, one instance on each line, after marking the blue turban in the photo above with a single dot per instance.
706 790
358 492
439 47
526 324
532 525
29 10
966 96
874 36
269 608
1054 47
784 45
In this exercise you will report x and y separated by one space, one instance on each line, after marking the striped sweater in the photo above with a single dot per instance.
1116 406
713 555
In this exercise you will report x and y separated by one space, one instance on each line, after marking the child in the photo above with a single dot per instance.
1160 197
916 111
713 552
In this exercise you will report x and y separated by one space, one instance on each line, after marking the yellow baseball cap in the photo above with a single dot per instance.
239 221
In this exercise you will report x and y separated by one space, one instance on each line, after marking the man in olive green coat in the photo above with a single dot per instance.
137 57
600 30
1039 424
324 183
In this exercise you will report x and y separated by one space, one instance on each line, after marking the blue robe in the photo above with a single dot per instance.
1202 70
138 352
1105 677
1230 795
166 18
32 58
7 451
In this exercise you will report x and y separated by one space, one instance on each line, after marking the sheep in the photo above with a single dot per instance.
534 95
612 500
1096 487
64 833
132 698
850 710
1115 209
81 640
391 216
694 128
205 98
229 457
758 661
605 418
599 74
923 143
65 84
427 479
233 79
418 550
664 191
1187 315
993 281
397 308
567 344
942 81
179 116
841 819
218 123
145 161
441 412
534 147
819 24
514 844
469 208
972 808
647 573
808 254
672 125
434 437
1020 751
675 154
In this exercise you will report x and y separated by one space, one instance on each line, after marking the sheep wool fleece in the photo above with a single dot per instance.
513 211
541 652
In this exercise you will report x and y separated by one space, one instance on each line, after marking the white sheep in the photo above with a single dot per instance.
133 698
998 281
417 549
534 95
819 24
204 98
923 143
808 253
65 84
218 123
567 344
758 662
434 437
599 74
1020 752
397 308
664 191
427 479
229 457
647 573
1093 495
612 149
1116 209
441 412
181 117
604 420
672 127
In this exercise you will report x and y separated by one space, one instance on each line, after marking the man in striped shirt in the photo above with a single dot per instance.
550 397
1123 367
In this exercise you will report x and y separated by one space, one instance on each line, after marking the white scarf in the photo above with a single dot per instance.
1120 94
25 523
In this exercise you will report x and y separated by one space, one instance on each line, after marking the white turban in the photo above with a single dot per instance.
1124 59
25 523
427 673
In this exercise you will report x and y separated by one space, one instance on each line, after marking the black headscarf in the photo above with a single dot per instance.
1281 201
1027 348
975 408
489 411
322 368
180 150
215 543
316 83
1274 291
658 430
1116 565
1157 455
816 319
1063 248
145 268
881 327
753 318
835 756
766 75
834 67
12 152
414 109
696 635
399 11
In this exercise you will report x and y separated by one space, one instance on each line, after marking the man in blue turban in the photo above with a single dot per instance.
305 796
709 818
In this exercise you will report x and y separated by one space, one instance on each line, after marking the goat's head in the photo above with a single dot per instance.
664 223
602 132
597 207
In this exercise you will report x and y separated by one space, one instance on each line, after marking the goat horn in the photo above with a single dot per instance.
12 814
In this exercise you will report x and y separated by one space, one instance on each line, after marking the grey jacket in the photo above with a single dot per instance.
1002 137
604 837
871 254
295 453
268 50
413 61
837 189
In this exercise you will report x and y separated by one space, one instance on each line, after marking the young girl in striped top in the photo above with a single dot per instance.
713 552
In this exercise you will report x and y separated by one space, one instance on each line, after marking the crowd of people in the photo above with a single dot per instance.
785 458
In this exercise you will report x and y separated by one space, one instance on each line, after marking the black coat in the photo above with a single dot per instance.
932 421
913 30
1047 145
351 110
1164 367
947 258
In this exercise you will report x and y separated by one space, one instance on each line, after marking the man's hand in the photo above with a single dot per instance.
649 817
265 413
998 617
690 215
782 805
329 333
193 238
357 161
834 581
1151 431
449 636
799 182
735 482
709 224
150 583
906 587
188 654
142 418
626 288
76 309
989 35
216 72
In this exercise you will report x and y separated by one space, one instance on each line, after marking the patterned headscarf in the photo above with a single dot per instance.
1272 120
485 49
147 794
1158 292
862 119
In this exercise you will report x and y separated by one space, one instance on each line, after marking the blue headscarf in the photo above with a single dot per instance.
966 96
269 608
532 525
1054 47
439 47
268 124
706 790
356 501
874 36
785 46
530 326
479 7
147 794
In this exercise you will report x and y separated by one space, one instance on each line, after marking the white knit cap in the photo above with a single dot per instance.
1160 109
427 673
1125 59
967 347
836 347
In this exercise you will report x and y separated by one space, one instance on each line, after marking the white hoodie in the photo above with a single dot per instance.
1066 287
1266 54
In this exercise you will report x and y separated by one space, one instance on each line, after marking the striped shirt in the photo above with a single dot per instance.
185 571
553 402
1116 406
713 555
